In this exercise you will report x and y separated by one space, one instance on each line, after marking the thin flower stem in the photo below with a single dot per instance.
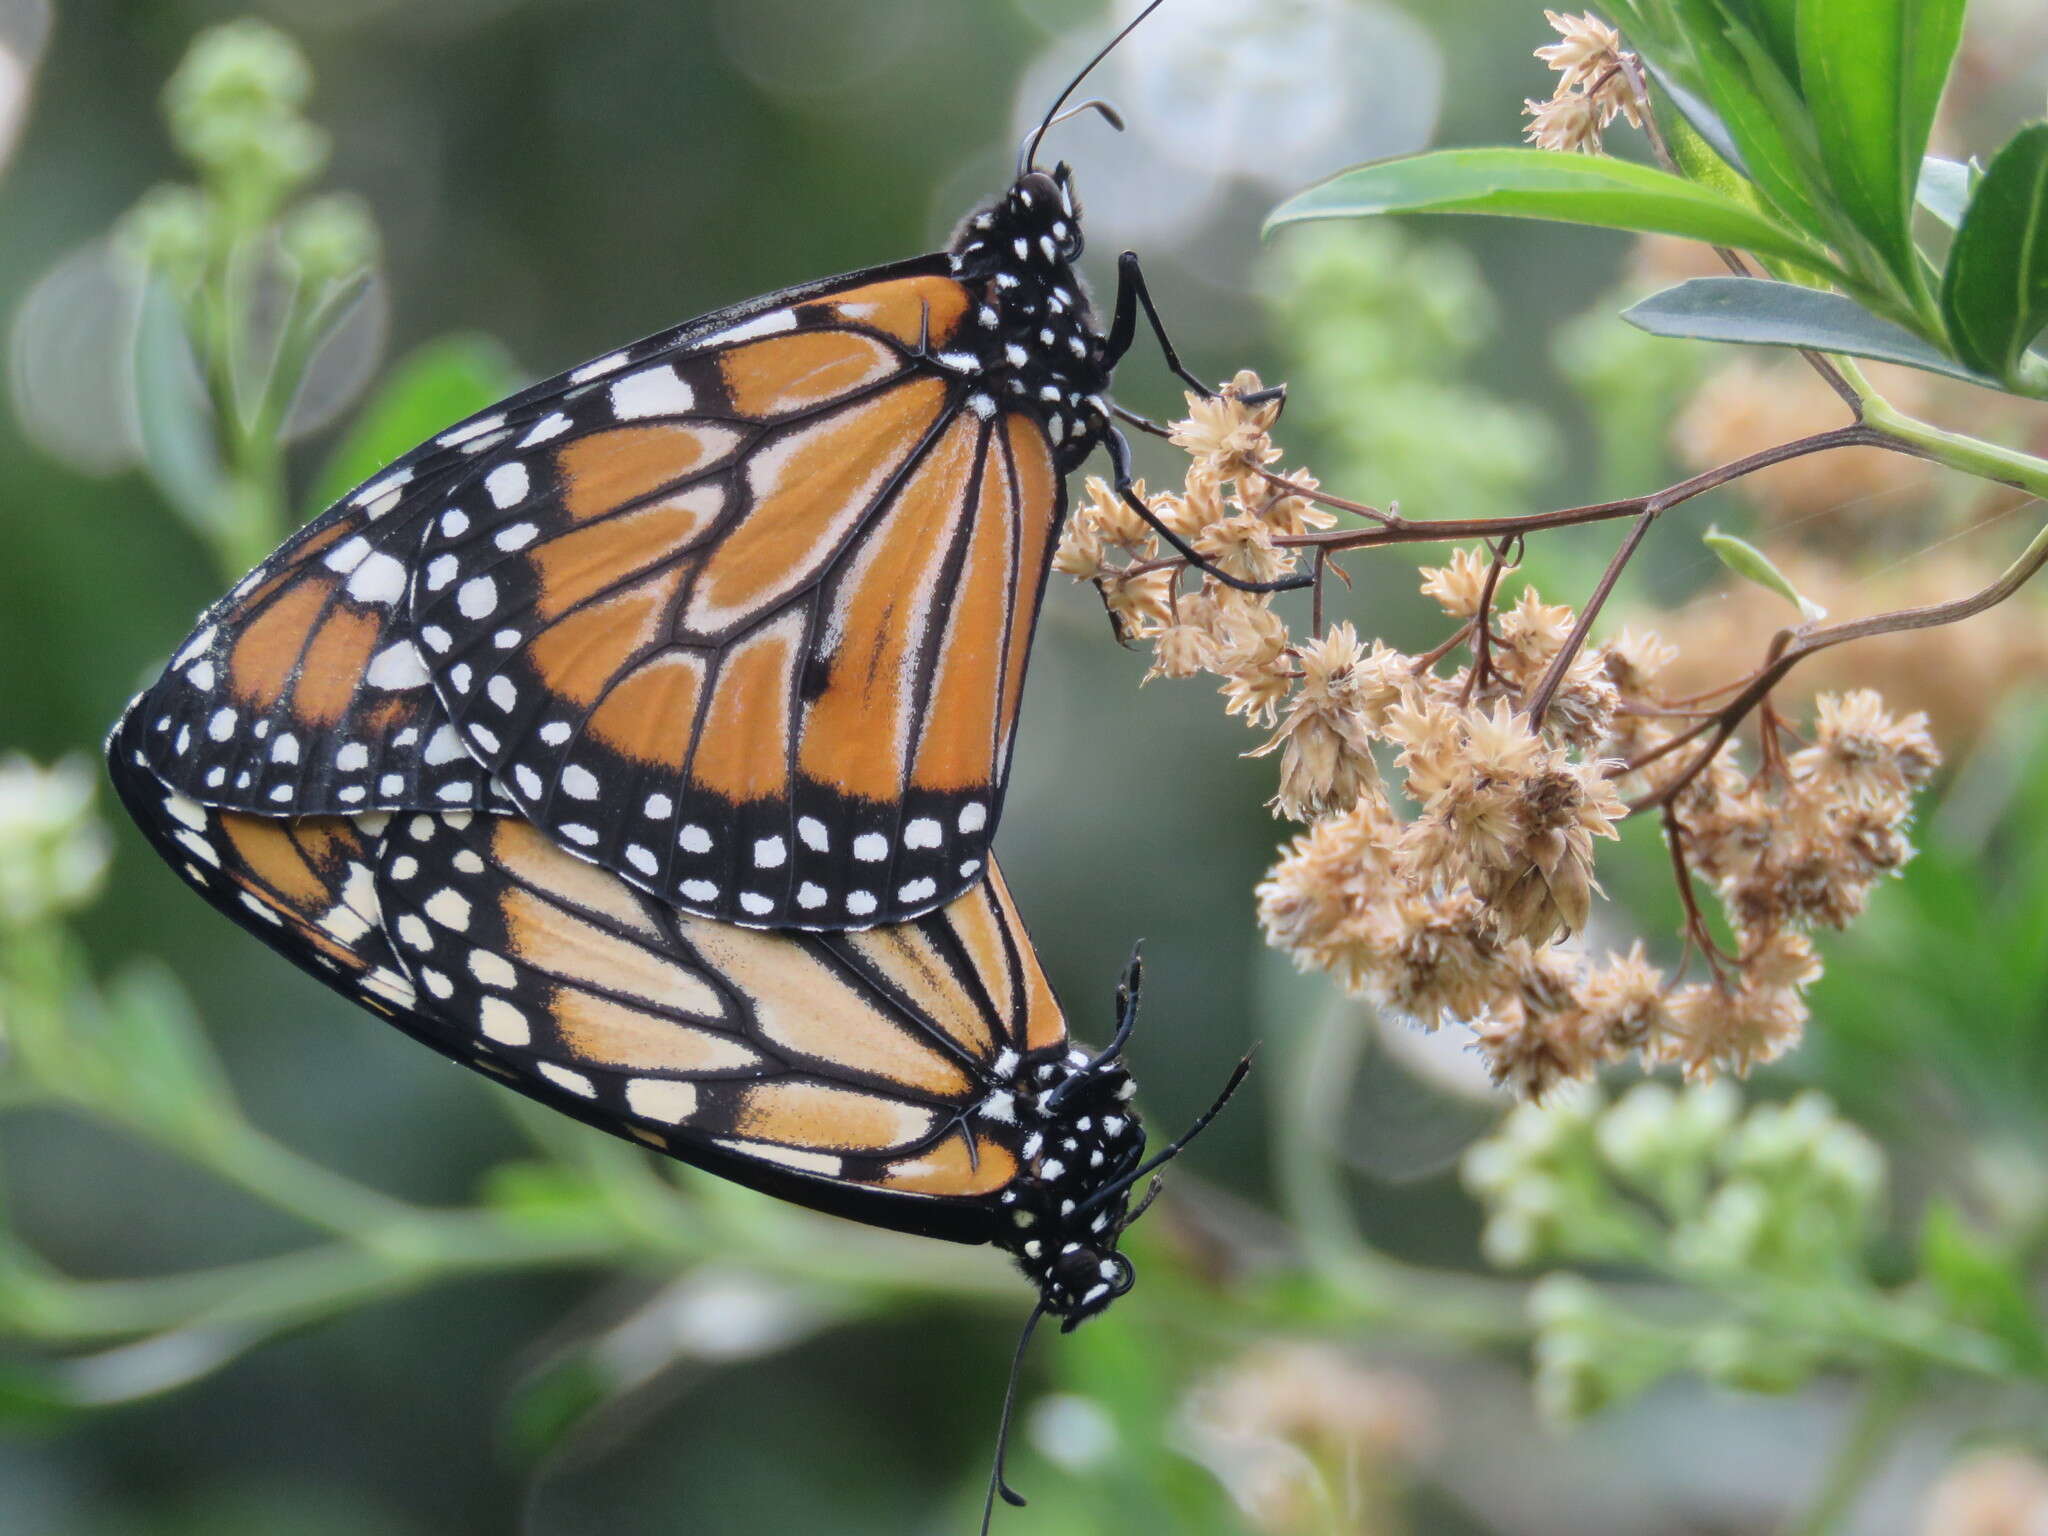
1561 663
1430 658
1791 646
1482 622
1631 66
1404 530
1696 930
1887 1400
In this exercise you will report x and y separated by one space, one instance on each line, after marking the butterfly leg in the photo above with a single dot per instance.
1118 447
1132 296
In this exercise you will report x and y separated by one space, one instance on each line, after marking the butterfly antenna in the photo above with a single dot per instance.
1052 114
996 1483
1179 1145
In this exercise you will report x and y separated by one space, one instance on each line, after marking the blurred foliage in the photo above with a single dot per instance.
422 1305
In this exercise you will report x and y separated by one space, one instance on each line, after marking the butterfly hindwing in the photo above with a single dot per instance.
853 1072
305 886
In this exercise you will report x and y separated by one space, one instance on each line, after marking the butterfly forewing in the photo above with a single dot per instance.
740 613
747 623
303 690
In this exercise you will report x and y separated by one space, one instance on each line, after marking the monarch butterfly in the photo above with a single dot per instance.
740 612
917 1077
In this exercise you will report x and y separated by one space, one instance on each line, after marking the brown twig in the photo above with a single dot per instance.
1395 529
1789 647
1631 65
1560 664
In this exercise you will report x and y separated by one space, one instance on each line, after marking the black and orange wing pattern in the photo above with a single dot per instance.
872 1074
305 886
750 626
741 612
883 1075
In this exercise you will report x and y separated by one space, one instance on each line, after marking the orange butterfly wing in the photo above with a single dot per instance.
749 625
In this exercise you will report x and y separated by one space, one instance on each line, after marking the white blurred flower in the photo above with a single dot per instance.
53 849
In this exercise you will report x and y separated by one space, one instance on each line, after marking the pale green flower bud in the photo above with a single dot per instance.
233 106
168 231
330 238
1729 1232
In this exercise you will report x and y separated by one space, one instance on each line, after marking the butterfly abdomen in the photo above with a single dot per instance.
1082 1138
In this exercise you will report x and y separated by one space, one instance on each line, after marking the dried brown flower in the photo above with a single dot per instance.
1325 738
1229 434
1570 121
1590 49
1459 586
1733 1029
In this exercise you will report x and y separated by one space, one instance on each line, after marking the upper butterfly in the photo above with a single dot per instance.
740 612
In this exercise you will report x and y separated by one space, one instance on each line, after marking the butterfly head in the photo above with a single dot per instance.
1031 233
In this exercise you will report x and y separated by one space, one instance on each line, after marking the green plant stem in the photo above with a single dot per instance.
1885 1404
1313 1086
1953 450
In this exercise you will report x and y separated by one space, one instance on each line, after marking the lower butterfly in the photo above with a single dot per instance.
917 1077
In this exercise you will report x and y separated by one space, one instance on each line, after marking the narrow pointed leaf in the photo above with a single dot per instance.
1752 564
1760 111
1994 294
1542 184
1873 72
1768 314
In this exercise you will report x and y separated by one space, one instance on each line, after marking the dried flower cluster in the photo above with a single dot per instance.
1296 1431
1449 850
1593 86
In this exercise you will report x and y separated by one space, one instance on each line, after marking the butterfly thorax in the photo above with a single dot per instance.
1032 345
1081 1138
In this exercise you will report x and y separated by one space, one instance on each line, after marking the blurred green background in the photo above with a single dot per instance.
562 175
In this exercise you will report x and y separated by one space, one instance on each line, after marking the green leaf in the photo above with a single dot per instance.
1946 187
1760 110
172 417
1981 1286
1702 119
1542 184
443 381
1767 314
1994 294
157 1065
1752 564
1775 24
1873 72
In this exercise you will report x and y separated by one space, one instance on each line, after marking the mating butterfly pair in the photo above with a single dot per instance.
521 742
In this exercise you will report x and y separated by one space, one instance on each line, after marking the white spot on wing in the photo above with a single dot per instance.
652 392
379 579
656 1098
396 667
773 323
